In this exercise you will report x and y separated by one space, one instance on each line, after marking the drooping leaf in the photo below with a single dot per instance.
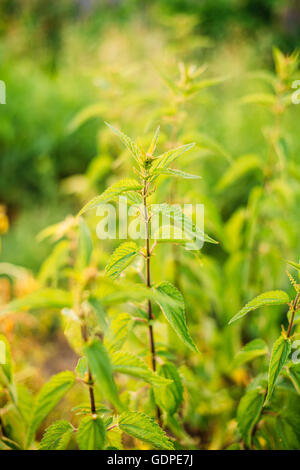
254 349
48 397
102 370
91 434
121 258
274 297
248 414
175 314
170 396
144 428
43 298
128 142
85 246
57 436
115 190
130 364
280 352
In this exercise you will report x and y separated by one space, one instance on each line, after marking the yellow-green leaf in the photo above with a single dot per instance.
274 297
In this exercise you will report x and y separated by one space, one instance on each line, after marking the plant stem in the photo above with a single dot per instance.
294 308
148 283
90 377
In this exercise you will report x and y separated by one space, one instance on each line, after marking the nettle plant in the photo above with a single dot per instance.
97 329
268 413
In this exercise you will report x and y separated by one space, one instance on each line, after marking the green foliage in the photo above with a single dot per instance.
175 315
48 397
280 353
255 348
121 258
248 413
91 434
57 436
144 428
121 187
135 330
169 397
43 298
275 297
102 370
126 363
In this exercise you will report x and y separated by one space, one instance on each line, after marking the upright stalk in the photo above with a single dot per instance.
148 283
90 382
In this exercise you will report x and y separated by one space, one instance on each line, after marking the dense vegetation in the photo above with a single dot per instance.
149 343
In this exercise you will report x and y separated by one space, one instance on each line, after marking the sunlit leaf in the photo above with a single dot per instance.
144 428
274 297
121 258
175 315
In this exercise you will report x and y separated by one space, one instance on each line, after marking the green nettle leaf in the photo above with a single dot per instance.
115 190
129 364
274 297
102 370
175 314
121 258
169 397
254 349
91 434
279 356
183 222
164 160
144 428
57 436
248 413
239 168
48 397
85 246
174 172
128 142
43 298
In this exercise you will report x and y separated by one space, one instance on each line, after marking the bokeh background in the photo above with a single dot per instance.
58 57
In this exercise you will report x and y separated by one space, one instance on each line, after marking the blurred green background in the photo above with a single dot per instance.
59 57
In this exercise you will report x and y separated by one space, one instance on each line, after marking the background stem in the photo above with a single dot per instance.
148 283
